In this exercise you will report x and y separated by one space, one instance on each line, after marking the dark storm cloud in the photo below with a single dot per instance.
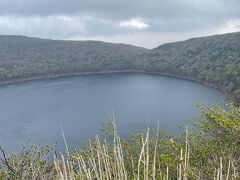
119 8
66 19
122 8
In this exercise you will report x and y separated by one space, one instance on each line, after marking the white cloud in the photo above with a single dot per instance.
147 39
52 26
55 26
231 25
86 27
134 23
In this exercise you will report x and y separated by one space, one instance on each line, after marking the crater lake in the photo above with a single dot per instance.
34 111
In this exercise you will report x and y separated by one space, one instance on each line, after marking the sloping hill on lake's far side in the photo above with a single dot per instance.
24 57
213 60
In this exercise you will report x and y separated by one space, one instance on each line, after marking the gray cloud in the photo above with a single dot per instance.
119 20
121 8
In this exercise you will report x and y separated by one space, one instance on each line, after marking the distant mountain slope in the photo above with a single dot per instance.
212 59
22 57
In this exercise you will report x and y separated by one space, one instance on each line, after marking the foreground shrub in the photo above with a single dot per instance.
31 163
211 151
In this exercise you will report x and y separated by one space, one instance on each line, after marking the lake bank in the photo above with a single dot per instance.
228 94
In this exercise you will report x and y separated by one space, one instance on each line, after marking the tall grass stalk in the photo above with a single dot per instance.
107 161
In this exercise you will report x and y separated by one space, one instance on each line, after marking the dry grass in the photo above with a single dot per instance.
106 161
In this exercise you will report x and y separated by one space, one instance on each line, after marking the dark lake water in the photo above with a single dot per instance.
35 110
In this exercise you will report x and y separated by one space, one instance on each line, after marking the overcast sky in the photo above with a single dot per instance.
146 23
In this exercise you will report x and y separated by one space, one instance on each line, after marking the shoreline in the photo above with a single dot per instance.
229 95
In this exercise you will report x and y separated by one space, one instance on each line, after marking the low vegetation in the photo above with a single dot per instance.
211 151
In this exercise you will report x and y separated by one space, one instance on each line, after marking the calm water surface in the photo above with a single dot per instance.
35 110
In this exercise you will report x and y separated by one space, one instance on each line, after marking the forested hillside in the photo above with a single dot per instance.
213 59
23 57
